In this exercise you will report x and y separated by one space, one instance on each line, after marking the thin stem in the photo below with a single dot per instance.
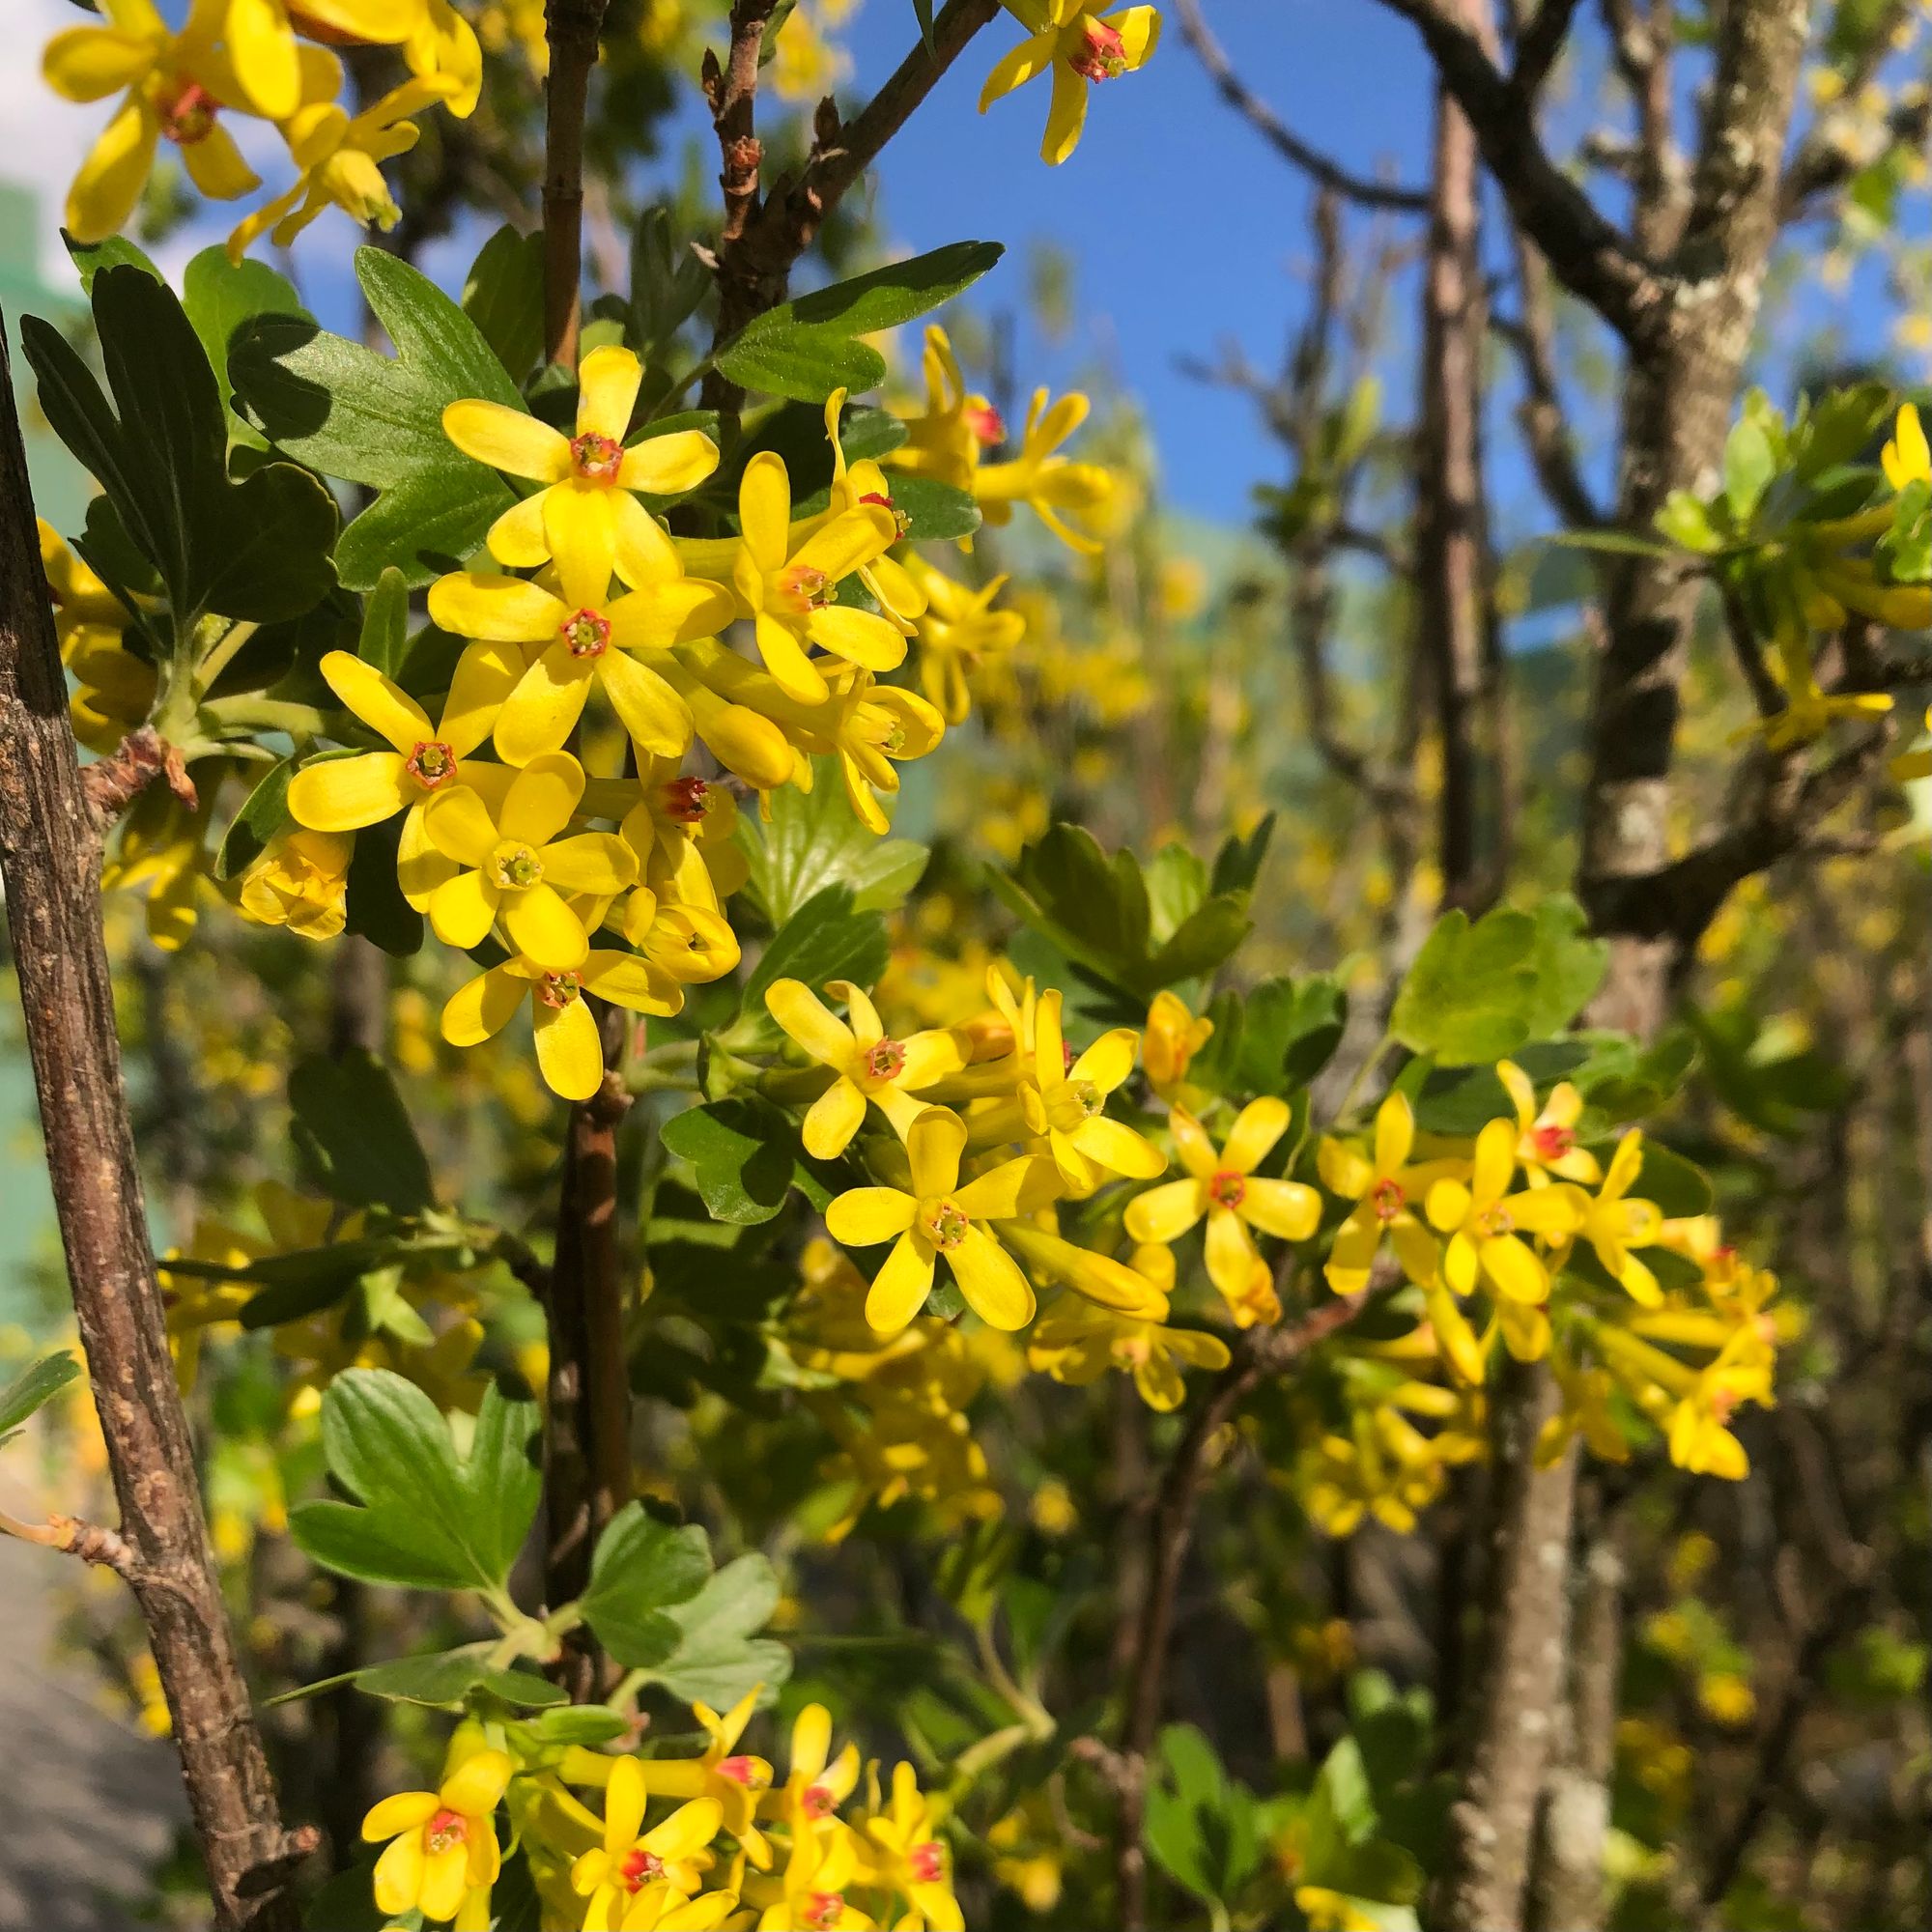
572 27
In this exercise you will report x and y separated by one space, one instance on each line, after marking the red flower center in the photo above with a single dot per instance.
1553 1143
686 800
558 989
432 764
639 1868
1228 1188
901 520
823 1910
745 1771
189 115
595 458
1388 1200
803 588
926 1862
588 635
1104 55
885 1060
445 1829
987 423
817 1801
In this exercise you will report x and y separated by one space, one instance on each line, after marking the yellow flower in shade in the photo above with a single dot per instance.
592 469
1700 1431
434 39
1080 48
811 1889
669 1858
677 812
339 155
959 423
1546 1148
1907 457
1585 1412
301 881
958 630
346 794
1066 1099
514 867
1613 1224
161 851
1385 1189
176 85
1809 711
936 1216
690 945
789 594
730 1778
900 1849
816 1783
1486 1223
116 689
1050 482
1077 1343
570 1054
1174 1037
1223 1185
867 1063
443 1843
583 636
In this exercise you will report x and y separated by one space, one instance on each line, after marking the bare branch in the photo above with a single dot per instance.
1540 44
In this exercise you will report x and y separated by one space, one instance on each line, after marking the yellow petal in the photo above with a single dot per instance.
403 1811
645 552
110 179
263 48
399 1875
215 166
1024 63
991 1281
900 1288
607 379
1165 1213
1494 1163
445 1878
1232 1259
764 509
463 911
485 604
346 794
542 927
1066 117
509 439
667 466
379 702
850 540
460 826
484 675
657 718
1513 1268
1395 1134
91 63
687 1829
541 799
592 861
830 1121
570 1056
1256 1129
933 1146
787 659
1283 1207
477 1786
580 531
1139 28
544 708
626 981
624 1800
1195 1150
1109 1061
810 1021
482 1007
1119 1148
1005 1192
517 537
1344 1168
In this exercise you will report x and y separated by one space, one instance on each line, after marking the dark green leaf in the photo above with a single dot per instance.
376 907
886 298
114 251
264 813
814 841
747 1157
935 512
385 623
353 1136
1238 862
502 294
806 364
824 939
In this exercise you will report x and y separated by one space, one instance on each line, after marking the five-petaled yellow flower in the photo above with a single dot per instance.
1386 1190
1223 1185
958 424
443 1842
1051 483
1486 1222
516 868
1077 1343
631 1860
900 1848
1064 1099
935 1216
1546 1148
958 629
1613 1224
1080 46
867 1063
592 469
301 881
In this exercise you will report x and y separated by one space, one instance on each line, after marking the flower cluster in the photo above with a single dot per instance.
671 1843
260 58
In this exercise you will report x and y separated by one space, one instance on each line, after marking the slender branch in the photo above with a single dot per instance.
49 856
1541 415
1260 1353
112 783
1276 133
1540 44
572 27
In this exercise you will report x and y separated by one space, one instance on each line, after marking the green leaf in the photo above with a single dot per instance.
718 1661
1614 542
221 298
1568 967
421 1519
814 841
385 623
1749 465
502 294
935 512
1686 521
1467 995
1176 883
1238 862
747 1157
264 813
373 419
641 1569
255 550
825 939
1276 1039
376 907
114 251
885 298
32 1387
1680 1187
353 1134
1200 1823
807 365
445 1679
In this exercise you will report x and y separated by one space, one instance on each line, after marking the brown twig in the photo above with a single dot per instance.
49 856
1260 1353
112 783
572 27
1276 133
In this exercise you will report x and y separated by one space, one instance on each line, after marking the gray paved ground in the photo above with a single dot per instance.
87 1805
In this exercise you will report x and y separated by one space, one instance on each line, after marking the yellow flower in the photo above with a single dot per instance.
1545 1146
631 1862
1613 1226
176 85
896 590
1079 45
815 1782
514 867
591 469
1224 1187
788 592
116 689
677 812
959 628
725 1775
1808 711
959 423
1384 1186
1485 1222
1174 1037
570 1054
1699 1429
339 155
435 40
346 794
812 1892
1066 1102
690 945
301 881
163 847
1051 483
900 1851
586 636
1728 1697
867 1064
1907 457
442 1842
1140 1292
936 1216
1077 1344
